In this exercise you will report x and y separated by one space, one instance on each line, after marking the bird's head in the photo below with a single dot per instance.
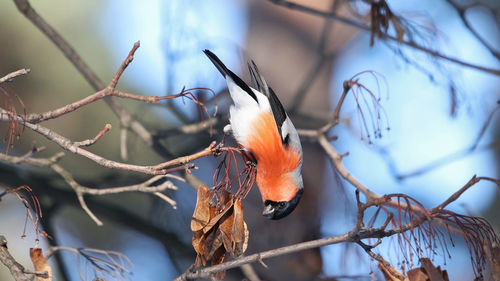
278 209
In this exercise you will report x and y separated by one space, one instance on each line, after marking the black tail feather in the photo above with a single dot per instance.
217 62
226 72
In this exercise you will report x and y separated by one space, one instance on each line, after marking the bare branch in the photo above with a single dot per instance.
106 92
127 120
386 36
484 127
474 147
469 184
30 153
321 58
145 187
187 129
80 190
112 263
207 272
84 206
185 159
26 9
15 268
336 160
123 144
461 10
9 77
355 235
90 142
68 145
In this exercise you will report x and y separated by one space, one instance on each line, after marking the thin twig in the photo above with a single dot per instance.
114 263
106 92
30 153
364 27
484 127
461 10
470 183
9 77
447 159
125 117
336 159
321 58
250 272
123 144
188 158
68 145
145 187
80 190
193 128
90 142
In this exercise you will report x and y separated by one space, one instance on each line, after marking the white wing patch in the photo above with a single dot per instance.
245 110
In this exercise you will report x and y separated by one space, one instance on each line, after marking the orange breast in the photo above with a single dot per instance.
274 161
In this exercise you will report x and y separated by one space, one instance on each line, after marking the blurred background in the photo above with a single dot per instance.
434 111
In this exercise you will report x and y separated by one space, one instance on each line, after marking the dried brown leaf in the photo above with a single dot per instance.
40 264
428 272
389 272
225 204
198 243
495 257
417 274
201 215
199 261
214 243
218 258
218 228
240 230
434 273
226 228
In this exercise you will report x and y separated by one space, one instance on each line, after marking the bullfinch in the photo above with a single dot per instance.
261 126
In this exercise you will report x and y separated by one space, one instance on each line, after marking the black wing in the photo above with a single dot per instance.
278 112
276 106
225 72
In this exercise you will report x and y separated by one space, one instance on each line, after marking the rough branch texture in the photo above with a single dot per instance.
16 269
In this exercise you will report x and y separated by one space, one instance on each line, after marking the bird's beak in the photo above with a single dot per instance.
268 211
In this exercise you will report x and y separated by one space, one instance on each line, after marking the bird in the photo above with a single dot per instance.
261 126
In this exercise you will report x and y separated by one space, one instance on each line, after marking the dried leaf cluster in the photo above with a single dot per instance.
41 265
427 272
381 17
219 229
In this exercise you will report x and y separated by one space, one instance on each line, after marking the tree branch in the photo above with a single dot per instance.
70 146
9 77
461 10
469 184
321 58
15 268
386 36
80 190
126 119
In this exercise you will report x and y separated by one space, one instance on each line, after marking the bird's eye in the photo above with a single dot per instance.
282 204
286 140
